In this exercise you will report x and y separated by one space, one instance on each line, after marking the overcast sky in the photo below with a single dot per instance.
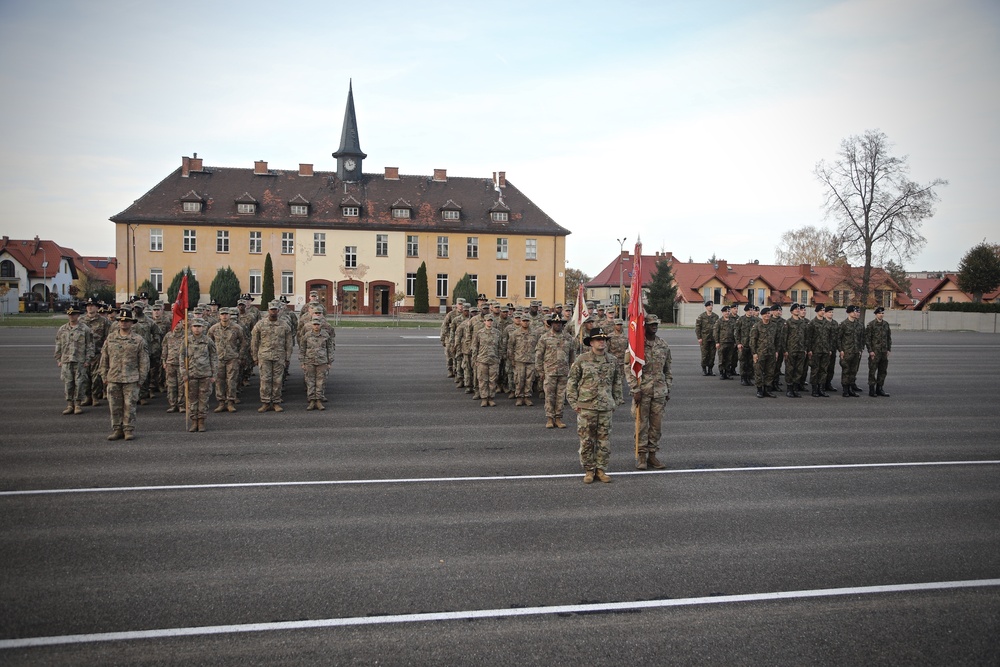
696 125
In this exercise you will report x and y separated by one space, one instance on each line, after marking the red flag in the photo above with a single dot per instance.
181 302
636 316
580 313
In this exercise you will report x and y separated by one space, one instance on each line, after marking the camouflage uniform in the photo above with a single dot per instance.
316 348
653 390
819 348
199 367
99 327
852 344
521 349
832 331
247 319
446 333
618 344
743 329
170 352
124 363
453 346
464 344
74 353
764 346
878 340
724 333
161 326
796 342
486 356
554 354
594 390
230 344
271 348
704 331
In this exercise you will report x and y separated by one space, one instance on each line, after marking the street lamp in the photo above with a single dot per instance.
45 287
621 277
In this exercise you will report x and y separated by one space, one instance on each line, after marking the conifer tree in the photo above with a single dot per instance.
267 291
421 298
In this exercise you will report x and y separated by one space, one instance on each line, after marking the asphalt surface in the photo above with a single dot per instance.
347 536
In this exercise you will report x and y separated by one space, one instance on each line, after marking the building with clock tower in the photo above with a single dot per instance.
349 155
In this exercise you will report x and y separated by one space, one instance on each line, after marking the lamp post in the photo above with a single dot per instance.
45 287
621 277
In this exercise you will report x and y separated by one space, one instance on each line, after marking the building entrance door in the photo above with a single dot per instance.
381 300
349 299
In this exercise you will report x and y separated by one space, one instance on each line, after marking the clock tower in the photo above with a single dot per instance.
349 155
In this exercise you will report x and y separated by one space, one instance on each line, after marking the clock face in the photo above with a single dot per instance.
349 164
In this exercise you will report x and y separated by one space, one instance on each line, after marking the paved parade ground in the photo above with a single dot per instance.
407 525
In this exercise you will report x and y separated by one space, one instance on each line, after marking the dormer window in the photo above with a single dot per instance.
451 211
499 216
192 202
352 211
298 206
401 209
246 208
300 209
192 207
350 207
401 213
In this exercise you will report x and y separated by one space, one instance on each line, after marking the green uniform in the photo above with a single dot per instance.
594 390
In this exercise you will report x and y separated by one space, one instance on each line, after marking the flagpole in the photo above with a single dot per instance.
187 367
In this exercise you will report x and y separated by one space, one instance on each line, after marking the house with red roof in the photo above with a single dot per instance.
927 291
43 270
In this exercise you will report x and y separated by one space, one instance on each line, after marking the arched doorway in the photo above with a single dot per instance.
350 296
381 297
325 290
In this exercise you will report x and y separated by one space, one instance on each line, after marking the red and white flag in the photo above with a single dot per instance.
180 303
636 316
580 312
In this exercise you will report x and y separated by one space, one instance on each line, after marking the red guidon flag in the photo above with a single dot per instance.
636 316
181 302
580 313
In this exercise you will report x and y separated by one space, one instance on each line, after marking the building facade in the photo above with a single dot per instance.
357 238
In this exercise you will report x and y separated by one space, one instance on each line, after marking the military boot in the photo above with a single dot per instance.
527 401
722 374
847 391
871 390
791 392
710 373
201 424
231 406
640 463
760 392
320 406
87 401
68 410
588 477
815 391
483 403
221 407
767 393
264 407
880 392
129 435
172 408
559 422
95 402
116 434
601 475
277 407
549 424
850 390
855 387
491 403
653 461
77 410
311 406
193 428
822 392
511 394
519 402
795 393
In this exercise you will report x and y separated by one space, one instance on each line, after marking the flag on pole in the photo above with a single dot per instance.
181 302
580 312
636 316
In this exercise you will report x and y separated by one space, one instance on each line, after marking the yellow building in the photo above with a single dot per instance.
357 238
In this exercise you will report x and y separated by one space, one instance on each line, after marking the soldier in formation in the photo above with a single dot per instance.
316 347
74 354
878 340
764 345
99 327
650 393
486 355
851 337
199 365
594 390
704 331
230 343
271 349
796 346
554 355
124 364
725 343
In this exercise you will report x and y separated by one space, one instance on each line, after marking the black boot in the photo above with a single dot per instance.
722 374
704 371
855 387
822 392
790 393
850 390
815 391
795 388
710 373
768 394
777 385
760 392
871 390
880 392
847 391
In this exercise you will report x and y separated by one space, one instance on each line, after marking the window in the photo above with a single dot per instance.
255 281
352 211
883 298
443 247
351 256
246 208
451 215
287 243
156 240
442 285
531 248
222 241
319 243
381 245
472 247
411 284
192 207
190 240
499 216
412 246
401 213
156 279
804 296
287 282
474 279
717 295
529 287
300 209
706 294
502 286
761 295
255 243
7 269
501 248
795 296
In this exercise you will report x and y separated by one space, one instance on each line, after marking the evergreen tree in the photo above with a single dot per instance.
662 292
225 288
194 289
979 271
421 302
267 291
147 287
466 289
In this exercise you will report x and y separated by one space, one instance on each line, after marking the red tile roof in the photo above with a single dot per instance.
31 254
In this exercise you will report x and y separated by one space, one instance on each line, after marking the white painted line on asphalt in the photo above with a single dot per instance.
420 480
599 607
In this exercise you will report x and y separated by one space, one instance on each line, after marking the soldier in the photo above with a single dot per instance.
230 343
464 343
743 329
796 342
446 334
513 326
486 356
779 322
246 317
502 324
878 340
764 345
521 350
454 345
74 353
725 342
160 325
271 348
650 394
819 353
99 328
618 340
553 356
594 390
704 331
143 328
124 363
171 355
199 366
536 319
851 336
316 349
833 327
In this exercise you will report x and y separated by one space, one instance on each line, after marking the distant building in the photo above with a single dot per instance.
42 270
357 238
927 291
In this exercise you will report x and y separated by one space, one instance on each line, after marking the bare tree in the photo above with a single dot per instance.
574 278
878 209
809 245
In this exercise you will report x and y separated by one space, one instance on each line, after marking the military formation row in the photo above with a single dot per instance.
762 341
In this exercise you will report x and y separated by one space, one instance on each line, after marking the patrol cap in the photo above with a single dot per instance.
651 318
473 309
536 304
460 300
619 320
274 305
137 307
709 303
158 305
590 318
852 309
504 309
558 305
880 309
197 322
488 318
829 309
125 315
317 319
517 315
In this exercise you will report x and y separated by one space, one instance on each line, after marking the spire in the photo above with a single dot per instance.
350 143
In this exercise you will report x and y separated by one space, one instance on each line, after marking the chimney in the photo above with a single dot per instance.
196 163
185 166
502 179
723 267
806 269
392 173
441 175
305 169
260 167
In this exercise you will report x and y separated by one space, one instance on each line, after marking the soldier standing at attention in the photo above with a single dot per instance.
796 339
124 364
819 353
764 345
74 353
618 340
650 394
486 356
832 327
704 331
852 344
554 355
594 391
171 354
521 349
779 323
725 343
99 327
316 356
271 348
743 330
878 340
230 344
199 366
446 334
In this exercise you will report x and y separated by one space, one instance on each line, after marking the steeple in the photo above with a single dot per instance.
349 155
